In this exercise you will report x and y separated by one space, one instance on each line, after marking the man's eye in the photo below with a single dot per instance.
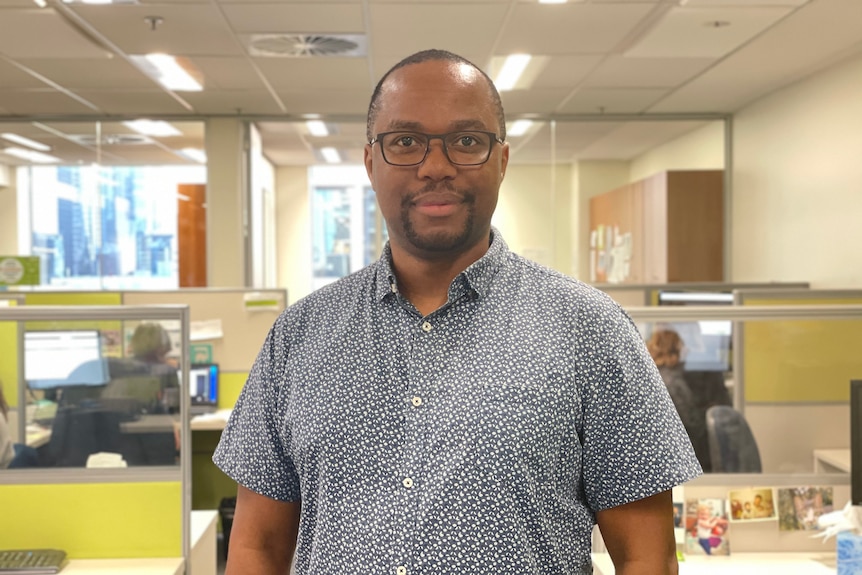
466 141
405 141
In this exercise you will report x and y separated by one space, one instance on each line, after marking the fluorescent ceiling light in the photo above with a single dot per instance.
195 154
552 1
696 297
152 127
26 142
317 128
31 155
519 127
171 75
331 155
512 69
40 3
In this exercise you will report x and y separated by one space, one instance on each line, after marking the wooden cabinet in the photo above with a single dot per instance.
666 228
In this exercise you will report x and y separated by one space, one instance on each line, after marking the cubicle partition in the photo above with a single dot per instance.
104 510
798 370
635 295
788 434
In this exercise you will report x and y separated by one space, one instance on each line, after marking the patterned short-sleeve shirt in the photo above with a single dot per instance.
481 438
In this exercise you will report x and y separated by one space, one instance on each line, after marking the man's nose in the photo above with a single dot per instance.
436 164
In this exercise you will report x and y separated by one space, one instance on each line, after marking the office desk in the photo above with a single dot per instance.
203 560
211 421
831 461
37 436
742 564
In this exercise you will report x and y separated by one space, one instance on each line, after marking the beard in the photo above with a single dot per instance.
440 241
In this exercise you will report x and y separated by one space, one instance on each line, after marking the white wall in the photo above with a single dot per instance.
702 149
293 231
797 183
9 216
533 214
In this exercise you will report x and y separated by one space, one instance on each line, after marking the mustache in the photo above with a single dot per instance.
466 195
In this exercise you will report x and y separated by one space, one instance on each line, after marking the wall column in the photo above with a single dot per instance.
227 210
8 212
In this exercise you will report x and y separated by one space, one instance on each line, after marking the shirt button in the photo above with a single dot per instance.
426 326
394 288
408 483
401 570
416 401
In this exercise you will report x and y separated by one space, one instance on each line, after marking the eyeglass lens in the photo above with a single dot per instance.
409 148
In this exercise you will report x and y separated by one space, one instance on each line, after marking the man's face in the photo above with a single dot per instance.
436 209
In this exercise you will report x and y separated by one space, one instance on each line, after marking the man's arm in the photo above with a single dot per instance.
639 536
263 535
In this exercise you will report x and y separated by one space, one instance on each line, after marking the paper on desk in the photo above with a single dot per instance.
106 459
206 329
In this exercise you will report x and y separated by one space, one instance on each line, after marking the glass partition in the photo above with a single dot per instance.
100 392
788 411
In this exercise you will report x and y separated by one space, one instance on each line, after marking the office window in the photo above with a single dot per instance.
348 232
105 227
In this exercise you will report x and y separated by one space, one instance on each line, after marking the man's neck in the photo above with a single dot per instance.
425 282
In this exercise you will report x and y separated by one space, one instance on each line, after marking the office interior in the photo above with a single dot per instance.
774 107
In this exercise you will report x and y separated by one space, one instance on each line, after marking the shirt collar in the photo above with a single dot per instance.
477 277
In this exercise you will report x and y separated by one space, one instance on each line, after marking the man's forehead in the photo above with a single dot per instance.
458 73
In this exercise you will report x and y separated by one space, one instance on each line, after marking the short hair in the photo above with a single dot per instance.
427 56
150 342
665 347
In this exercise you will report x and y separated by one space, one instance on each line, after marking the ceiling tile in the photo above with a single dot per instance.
687 32
568 28
134 102
611 101
186 30
319 73
534 101
25 102
233 102
23 34
326 102
12 77
228 73
285 17
621 72
565 71
401 29
100 74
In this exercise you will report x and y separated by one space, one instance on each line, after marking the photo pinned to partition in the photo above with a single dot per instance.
706 527
752 504
799 508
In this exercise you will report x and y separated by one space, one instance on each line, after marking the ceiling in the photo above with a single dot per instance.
592 59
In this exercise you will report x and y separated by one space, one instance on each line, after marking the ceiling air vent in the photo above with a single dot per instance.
306 45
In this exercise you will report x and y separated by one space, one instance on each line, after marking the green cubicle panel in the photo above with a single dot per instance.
92 511
95 520
799 361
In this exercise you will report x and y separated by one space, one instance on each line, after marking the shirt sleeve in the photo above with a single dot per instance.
252 450
634 444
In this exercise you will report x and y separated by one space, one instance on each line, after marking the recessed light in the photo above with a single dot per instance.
331 155
511 70
519 128
152 128
317 128
31 155
26 142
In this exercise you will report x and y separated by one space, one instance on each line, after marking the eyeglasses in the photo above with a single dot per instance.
470 148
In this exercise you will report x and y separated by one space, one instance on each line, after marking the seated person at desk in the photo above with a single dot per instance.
149 347
692 392
12 454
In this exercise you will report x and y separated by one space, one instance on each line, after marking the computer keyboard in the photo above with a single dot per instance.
32 561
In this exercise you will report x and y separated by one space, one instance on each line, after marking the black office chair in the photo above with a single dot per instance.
732 446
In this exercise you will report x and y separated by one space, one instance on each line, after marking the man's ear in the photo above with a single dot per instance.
504 160
368 159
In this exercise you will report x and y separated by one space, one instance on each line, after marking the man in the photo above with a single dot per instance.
452 408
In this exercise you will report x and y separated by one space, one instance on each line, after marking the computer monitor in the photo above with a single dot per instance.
203 384
707 343
63 358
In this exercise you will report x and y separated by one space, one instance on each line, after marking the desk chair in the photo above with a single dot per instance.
732 446
78 432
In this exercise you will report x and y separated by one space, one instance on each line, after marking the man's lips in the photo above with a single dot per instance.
437 205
